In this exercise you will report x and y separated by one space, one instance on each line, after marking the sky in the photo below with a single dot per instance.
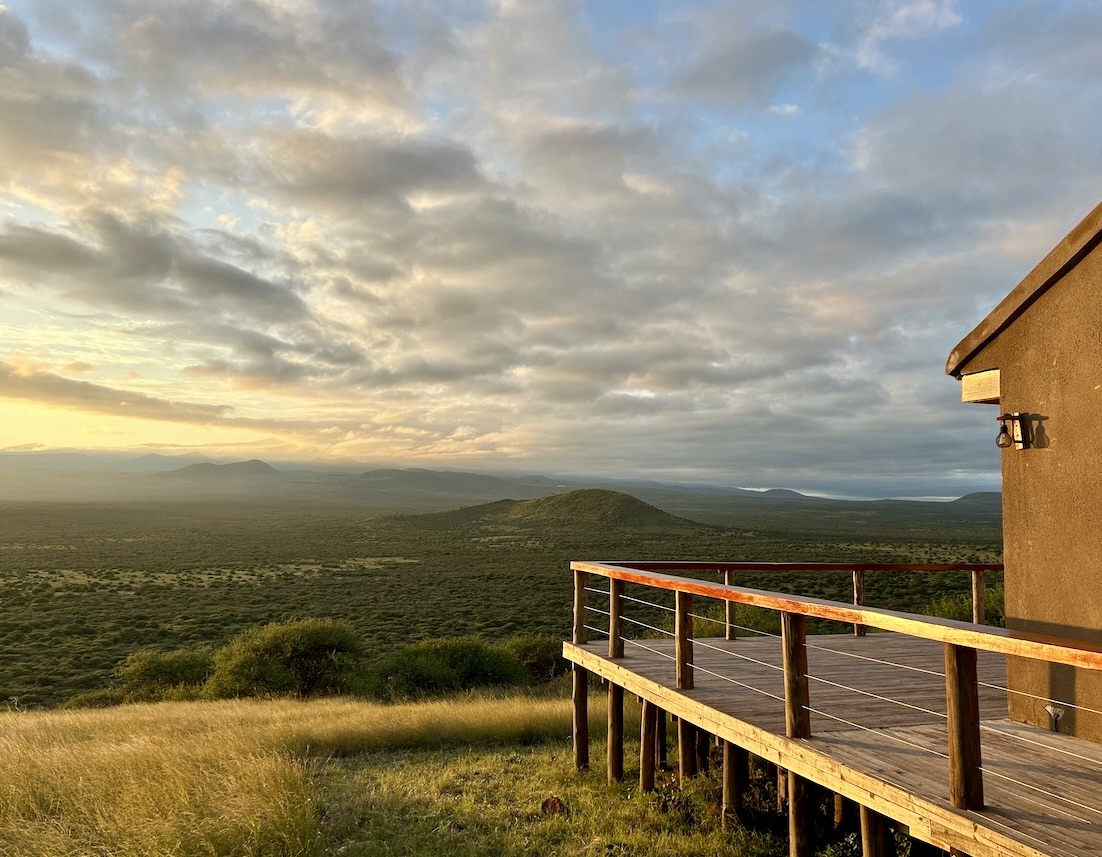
730 242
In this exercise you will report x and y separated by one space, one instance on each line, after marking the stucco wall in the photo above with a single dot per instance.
1050 362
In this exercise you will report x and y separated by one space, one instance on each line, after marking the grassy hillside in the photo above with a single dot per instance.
281 779
587 510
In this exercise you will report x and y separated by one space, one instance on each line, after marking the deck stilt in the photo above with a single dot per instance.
661 738
801 834
648 744
703 751
876 836
580 693
736 779
686 750
615 752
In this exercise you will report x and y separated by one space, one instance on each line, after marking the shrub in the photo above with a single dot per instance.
540 655
436 667
959 606
301 657
154 674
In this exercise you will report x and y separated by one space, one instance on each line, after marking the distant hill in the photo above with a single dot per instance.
587 508
993 499
237 471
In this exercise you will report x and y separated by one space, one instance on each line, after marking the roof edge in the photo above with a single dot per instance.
1083 238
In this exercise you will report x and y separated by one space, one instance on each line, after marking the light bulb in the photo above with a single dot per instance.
1004 440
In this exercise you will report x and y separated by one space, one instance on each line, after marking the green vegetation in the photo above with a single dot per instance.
83 586
302 657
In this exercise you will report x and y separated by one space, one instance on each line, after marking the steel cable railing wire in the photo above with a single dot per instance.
698 641
726 624
648 627
648 603
1074 705
665 655
992 773
877 696
873 731
706 671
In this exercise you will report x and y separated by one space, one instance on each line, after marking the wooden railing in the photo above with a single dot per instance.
858 571
960 639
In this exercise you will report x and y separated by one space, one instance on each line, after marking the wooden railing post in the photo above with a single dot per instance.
962 702
580 677
858 599
797 717
615 618
978 606
683 645
731 632
797 724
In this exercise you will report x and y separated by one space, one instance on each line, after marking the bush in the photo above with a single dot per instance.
301 657
540 655
959 606
437 667
155 674
103 697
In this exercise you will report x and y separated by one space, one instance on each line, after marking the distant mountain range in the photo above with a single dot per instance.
78 477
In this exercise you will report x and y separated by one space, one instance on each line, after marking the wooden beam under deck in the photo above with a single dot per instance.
900 770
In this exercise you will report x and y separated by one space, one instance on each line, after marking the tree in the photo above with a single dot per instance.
300 657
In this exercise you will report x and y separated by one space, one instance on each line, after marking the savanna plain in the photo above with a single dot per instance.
85 586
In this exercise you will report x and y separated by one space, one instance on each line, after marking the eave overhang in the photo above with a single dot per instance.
1063 258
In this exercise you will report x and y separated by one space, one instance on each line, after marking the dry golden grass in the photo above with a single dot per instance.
223 778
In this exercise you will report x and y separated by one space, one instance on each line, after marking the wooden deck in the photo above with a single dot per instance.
1043 791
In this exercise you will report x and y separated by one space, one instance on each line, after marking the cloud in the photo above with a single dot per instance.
49 389
733 241
903 20
748 68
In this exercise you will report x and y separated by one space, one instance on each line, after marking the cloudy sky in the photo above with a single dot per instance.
724 241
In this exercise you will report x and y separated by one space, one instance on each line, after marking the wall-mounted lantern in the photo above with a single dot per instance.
1010 435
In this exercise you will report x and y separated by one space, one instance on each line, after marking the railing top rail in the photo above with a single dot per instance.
1009 642
696 565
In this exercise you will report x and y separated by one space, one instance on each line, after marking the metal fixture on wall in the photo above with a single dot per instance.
1010 435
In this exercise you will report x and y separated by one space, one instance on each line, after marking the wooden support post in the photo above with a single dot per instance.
736 779
580 677
839 811
615 618
962 702
648 745
683 644
615 751
580 692
858 599
661 739
797 724
876 836
782 788
729 607
978 606
703 751
686 750
801 834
